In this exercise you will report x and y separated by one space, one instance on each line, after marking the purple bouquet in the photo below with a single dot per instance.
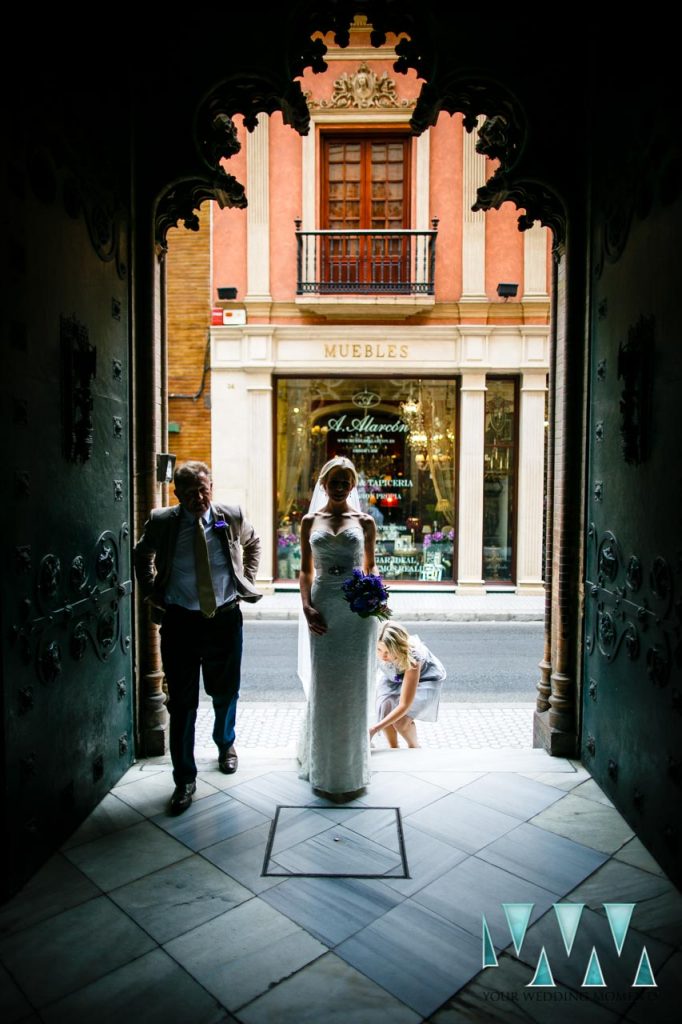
366 595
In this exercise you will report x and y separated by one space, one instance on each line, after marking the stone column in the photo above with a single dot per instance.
258 216
557 728
259 480
473 224
149 400
470 513
535 263
530 484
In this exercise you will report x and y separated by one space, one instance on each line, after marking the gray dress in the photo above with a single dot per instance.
431 676
334 742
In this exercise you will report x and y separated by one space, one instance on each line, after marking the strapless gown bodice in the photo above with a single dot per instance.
335 555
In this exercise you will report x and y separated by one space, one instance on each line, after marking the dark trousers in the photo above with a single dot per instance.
191 643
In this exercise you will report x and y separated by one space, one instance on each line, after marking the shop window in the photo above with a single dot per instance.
400 434
499 481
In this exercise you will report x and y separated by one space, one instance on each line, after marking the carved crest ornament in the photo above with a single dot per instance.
363 90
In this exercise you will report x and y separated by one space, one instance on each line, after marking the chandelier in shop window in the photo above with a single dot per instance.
431 441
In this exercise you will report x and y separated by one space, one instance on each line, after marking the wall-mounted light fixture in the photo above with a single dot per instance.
227 293
165 464
507 290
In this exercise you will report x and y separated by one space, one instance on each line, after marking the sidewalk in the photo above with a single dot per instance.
271 727
431 606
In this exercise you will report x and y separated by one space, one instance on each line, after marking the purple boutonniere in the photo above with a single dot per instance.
220 524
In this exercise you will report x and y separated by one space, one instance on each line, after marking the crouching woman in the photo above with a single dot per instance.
409 683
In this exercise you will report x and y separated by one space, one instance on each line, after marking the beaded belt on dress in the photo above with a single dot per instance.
338 570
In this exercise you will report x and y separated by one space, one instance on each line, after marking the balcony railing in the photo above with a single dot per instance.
366 262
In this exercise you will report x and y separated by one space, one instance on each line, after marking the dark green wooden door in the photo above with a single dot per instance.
632 699
66 591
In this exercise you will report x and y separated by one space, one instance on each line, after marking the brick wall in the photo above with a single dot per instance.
189 316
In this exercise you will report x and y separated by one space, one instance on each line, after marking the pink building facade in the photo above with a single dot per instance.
361 307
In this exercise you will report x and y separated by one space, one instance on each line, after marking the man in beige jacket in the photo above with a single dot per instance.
195 562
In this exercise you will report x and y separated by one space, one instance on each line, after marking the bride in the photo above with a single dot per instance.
336 537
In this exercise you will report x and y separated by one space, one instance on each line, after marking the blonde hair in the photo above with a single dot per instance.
338 462
396 640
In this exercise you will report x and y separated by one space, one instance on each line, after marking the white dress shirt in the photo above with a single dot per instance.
182 587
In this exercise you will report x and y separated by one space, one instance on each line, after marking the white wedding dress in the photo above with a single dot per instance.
334 744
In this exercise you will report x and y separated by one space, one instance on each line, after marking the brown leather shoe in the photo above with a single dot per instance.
228 761
182 797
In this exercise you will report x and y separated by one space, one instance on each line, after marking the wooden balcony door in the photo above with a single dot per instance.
365 187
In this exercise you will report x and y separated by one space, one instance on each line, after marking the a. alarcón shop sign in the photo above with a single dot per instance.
364 434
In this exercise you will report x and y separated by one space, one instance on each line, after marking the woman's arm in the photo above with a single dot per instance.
370 531
405 701
316 623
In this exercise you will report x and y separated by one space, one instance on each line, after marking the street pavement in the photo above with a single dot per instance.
485 661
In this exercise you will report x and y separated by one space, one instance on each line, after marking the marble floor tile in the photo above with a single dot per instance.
337 851
209 821
415 955
449 780
293 825
241 954
14 1006
140 770
217 780
591 791
397 789
660 1005
150 794
110 815
511 794
466 825
616 882
153 989
587 822
332 909
537 855
275 788
634 852
427 859
58 956
502 759
593 933
241 857
328 990
499 996
56 887
566 781
377 823
473 888
124 856
658 910
171 901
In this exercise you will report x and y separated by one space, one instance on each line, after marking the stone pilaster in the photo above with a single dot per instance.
530 484
473 224
258 213
259 483
470 516
535 263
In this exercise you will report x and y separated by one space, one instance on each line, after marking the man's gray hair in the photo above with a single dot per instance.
188 472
